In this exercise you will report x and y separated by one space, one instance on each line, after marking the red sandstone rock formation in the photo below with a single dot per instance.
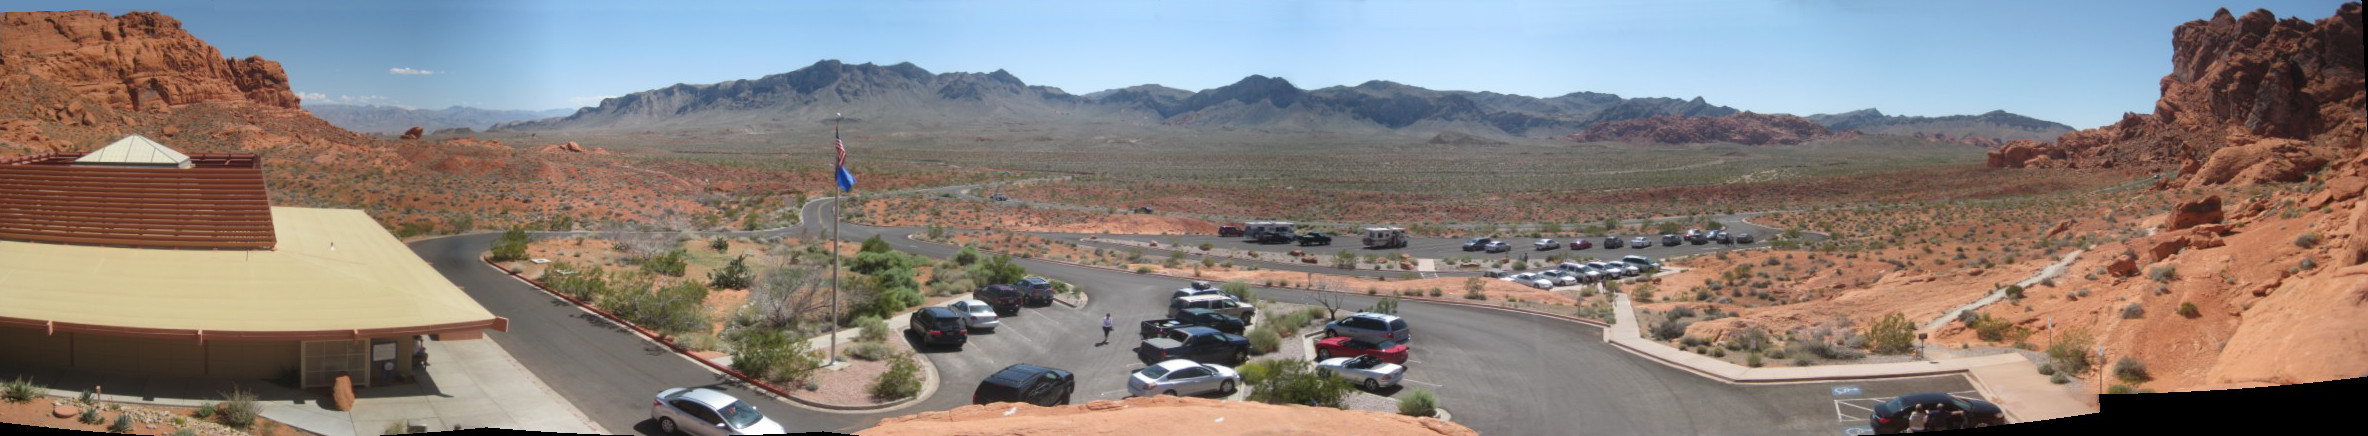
413 133
2248 100
136 61
1743 128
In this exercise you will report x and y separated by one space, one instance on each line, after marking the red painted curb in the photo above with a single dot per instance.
678 349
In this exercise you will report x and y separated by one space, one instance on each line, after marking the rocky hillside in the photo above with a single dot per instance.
1744 128
75 81
1989 129
2248 99
1179 416
2266 251
813 93
394 120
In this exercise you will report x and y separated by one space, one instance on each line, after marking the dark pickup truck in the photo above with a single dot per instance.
1194 318
1198 344
1274 238
1313 238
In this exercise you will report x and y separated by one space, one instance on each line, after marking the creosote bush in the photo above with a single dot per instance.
903 378
1420 402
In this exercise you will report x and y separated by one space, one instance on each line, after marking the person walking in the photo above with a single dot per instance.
1106 328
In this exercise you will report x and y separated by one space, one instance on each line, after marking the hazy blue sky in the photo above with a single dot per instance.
2078 62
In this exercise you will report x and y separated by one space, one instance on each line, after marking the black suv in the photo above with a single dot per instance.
1944 412
1024 383
1671 240
1477 244
1005 298
1614 242
937 325
1038 288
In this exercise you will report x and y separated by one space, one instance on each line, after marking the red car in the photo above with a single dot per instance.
1229 231
1343 346
1581 244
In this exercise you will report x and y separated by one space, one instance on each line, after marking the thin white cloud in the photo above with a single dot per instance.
312 96
588 101
320 98
407 71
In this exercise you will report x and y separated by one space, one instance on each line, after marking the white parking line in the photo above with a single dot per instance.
1434 385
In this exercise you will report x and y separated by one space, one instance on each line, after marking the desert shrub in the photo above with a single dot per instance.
204 411
511 245
1475 294
1435 292
1239 290
733 276
1143 270
1387 305
2163 273
90 416
2118 389
1753 361
1669 330
2059 378
1253 371
1421 402
1892 334
903 378
2188 309
772 355
2133 311
2014 292
123 424
2047 370
870 351
872 328
967 257
2131 371
1264 339
2307 240
1990 328
2309 264
20 391
874 245
237 409
2070 352
1680 312
1300 382
719 244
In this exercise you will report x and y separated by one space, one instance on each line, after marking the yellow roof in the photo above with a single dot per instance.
333 270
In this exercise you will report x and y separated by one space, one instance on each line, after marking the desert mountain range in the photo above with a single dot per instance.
1256 102
396 120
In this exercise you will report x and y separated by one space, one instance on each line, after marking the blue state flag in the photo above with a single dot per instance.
846 179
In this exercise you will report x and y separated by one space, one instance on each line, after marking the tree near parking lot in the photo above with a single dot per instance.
1293 381
1891 335
998 270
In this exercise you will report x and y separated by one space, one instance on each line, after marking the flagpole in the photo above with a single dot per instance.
834 248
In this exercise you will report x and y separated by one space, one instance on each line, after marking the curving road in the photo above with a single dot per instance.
1501 372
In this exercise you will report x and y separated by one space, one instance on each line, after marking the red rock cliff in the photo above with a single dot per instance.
135 61
2251 99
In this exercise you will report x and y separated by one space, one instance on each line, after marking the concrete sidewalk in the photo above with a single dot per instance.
469 384
2009 378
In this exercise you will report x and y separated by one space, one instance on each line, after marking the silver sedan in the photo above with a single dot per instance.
1182 377
1368 371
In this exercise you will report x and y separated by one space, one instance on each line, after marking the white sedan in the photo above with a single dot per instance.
977 314
1366 370
1182 377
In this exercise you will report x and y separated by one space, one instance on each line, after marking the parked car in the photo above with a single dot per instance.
1640 242
939 326
1000 197
1005 298
1187 292
1219 303
1626 270
1343 346
1199 344
1723 237
1182 377
1368 371
1560 277
1742 238
708 412
1581 244
1640 262
1613 242
1671 240
1194 318
1477 244
977 315
1699 239
1891 417
1499 247
1584 273
1371 327
1314 238
1520 277
1024 383
1039 289
1229 231
1546 244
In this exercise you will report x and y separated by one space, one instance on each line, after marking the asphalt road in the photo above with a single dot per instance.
1502 373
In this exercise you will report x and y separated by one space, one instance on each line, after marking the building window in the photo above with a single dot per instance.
324 360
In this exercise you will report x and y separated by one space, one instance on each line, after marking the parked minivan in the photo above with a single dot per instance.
1224 304
1024 383
1371 327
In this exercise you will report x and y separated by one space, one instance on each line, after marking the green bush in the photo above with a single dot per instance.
671 264
2307 240
2070 352
90 416
1254 371
123 424
204 411
2047 370
1753 361
511 245
903 378
1421 402
1891 335
2059 378
733 276
1143 270
1300 382
1239 290
2133 311
966 257
237 410
1264 339
1990 328
872 329
2118 389
20 391
1668 330
2163 273
773 356
875 245
2131 371
870 351
2014 292
2189 310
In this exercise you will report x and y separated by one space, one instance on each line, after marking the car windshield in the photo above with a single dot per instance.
1154 372
741 415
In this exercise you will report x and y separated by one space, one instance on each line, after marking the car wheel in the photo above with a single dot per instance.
1323 354
666 425
1371 385
1170 392
1225 388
